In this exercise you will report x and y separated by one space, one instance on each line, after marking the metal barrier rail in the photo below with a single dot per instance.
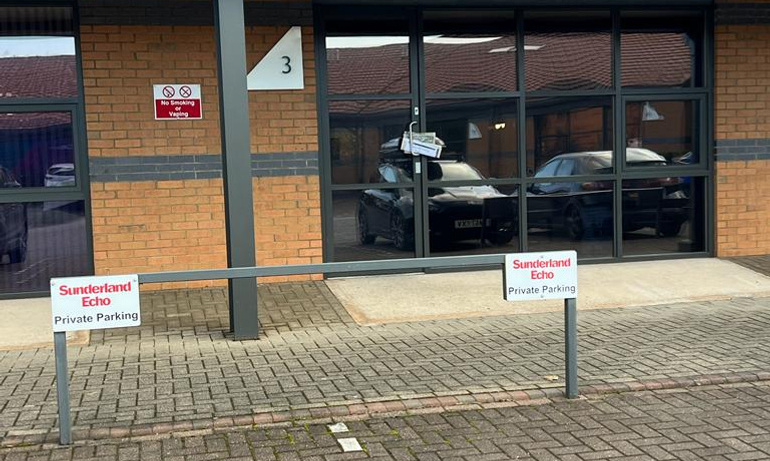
446 262
570 308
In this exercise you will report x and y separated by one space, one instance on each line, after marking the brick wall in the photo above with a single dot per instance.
121 63
158 225
150 226
742 128
147 219
743 210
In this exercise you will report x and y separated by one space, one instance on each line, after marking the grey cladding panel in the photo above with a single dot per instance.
742 149
743 13
174 167
189 13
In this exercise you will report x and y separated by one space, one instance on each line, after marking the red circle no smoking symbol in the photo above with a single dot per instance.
185 91
168 91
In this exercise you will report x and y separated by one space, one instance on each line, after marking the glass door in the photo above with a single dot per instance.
469 87
371 101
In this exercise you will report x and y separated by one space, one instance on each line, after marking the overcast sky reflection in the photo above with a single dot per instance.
16 47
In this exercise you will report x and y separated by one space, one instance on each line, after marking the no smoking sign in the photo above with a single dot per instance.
177 102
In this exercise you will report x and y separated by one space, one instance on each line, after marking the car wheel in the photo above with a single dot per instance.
669 229
403 237
363 229
573 223
502 238
18 253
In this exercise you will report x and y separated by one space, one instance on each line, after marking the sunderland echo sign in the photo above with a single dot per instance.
550 275
90 303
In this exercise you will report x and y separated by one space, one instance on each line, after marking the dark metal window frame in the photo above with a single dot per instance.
76 107
620 96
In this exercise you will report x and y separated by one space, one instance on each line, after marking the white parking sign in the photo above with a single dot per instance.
90 303
549 275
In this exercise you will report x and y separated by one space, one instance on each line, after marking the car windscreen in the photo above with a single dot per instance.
452 172
644 158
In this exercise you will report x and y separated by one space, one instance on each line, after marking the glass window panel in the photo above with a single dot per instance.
368 57
37 150
482 133
41 240
466 220
660 133
663 215
364 135
577 128
373 224
469 51
571 216
568 51
37 53
662 49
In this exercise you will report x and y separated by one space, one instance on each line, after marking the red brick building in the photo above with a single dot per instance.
622 129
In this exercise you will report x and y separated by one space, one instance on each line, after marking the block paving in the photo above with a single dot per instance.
179 371
712 423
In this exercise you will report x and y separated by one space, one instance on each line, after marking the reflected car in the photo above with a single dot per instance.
455 213
13 223
584 209
60 175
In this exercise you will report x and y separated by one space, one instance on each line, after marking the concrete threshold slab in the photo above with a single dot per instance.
381 299
27 325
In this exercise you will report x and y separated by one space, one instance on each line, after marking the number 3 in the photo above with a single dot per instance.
287 65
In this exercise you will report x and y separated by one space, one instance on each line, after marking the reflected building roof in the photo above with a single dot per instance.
43 77
557 61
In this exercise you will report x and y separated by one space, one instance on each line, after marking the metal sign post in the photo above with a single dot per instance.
87 303
62 387
549 275
570 348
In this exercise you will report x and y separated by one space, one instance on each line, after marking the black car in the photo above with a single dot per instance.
13 223
455 213
584 209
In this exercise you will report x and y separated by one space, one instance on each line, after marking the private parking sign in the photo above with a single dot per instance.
549 275
90 303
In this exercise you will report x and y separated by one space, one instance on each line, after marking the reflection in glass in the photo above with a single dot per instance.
39 241
571 216
661 49
36 149
368 57
464 54
558 126
665 128
472 219
568 51
663 215
481 132
373 224
363 134
37 53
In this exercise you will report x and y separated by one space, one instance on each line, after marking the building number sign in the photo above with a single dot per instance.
281 67
286 65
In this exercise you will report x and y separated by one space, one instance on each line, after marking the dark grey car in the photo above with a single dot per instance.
584 208
13 223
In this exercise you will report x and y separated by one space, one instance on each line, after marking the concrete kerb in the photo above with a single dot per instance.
365 409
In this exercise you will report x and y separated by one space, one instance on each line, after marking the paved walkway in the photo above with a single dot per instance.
179 372
710 423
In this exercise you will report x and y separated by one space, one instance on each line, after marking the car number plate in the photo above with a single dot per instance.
467 223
